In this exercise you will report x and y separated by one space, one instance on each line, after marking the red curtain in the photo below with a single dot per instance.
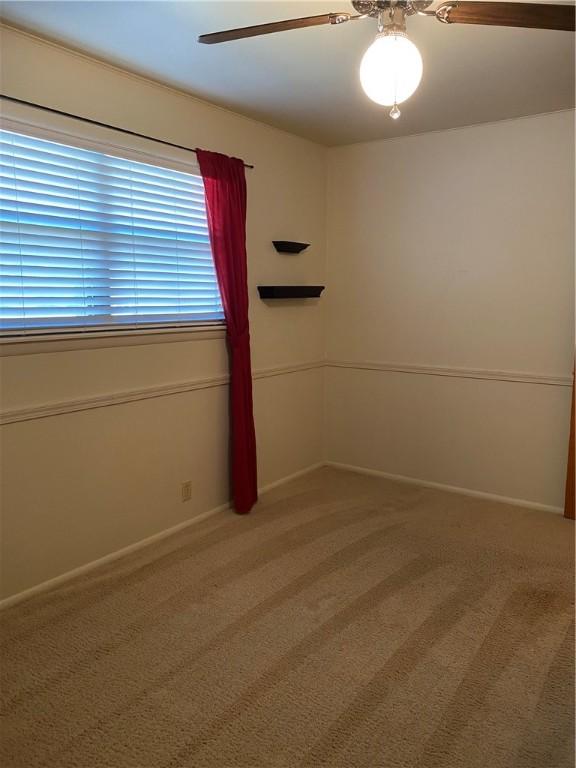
225 188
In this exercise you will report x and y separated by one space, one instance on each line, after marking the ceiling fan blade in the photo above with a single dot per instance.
276 26
534 15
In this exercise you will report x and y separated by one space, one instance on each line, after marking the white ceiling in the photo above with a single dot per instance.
306 81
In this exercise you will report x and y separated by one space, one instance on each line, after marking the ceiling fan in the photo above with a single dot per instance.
391 68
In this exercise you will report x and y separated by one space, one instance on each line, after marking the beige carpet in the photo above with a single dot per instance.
348 622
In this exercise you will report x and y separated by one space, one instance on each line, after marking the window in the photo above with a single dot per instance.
94 241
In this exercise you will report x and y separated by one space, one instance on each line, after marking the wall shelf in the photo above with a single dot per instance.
289 246
290 291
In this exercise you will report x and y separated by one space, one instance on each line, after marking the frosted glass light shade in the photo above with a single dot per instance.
391 69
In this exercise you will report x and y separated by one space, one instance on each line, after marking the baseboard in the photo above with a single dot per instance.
293 476
119 553
444 487
93 564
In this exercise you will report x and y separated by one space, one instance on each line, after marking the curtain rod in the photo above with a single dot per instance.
99 124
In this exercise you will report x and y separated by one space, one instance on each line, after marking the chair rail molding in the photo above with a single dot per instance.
521 377
44 410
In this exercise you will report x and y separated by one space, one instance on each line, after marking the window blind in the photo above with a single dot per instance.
94 240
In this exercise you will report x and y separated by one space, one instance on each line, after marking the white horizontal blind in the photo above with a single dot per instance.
93 240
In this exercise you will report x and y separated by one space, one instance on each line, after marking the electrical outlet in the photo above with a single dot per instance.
186 491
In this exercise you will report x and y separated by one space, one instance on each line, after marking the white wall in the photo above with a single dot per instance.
85 483
454 251
449 253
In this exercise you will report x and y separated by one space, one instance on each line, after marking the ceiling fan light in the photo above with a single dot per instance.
391 69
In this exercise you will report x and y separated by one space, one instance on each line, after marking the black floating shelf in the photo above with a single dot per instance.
290 291
288 246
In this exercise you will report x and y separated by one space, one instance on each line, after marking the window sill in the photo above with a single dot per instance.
34 344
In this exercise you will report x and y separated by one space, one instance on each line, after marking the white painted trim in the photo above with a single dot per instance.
37 344
104 401
83 569
14 415
444 487
85 137
293 476
45 410
458 373
281 370
87 567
